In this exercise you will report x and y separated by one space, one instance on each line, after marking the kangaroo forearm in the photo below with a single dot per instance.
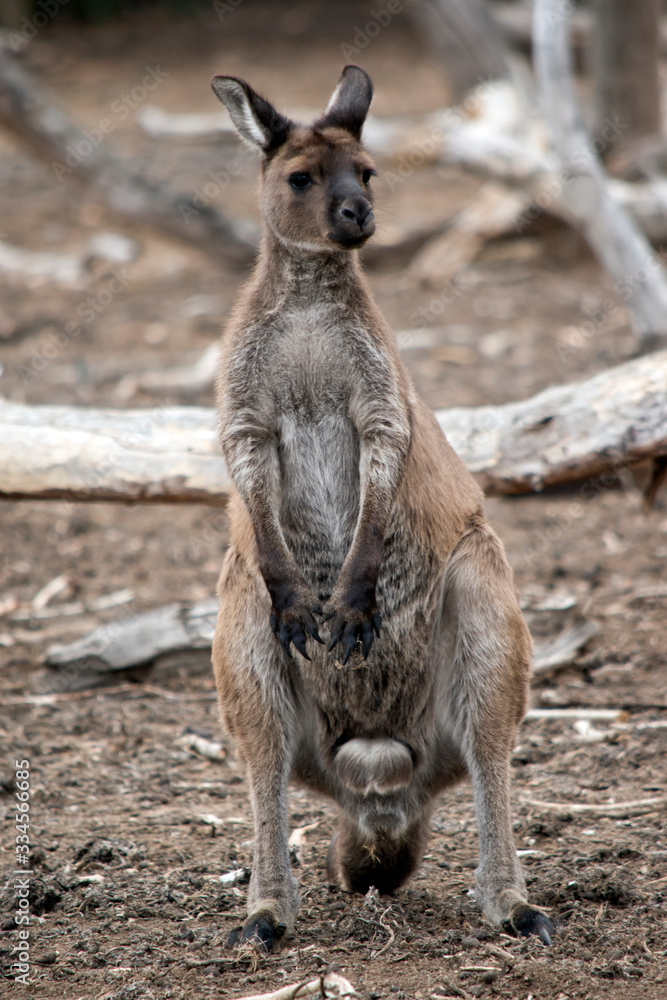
252 460
276 564
382 471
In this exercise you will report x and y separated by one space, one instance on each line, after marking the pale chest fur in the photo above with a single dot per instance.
312 369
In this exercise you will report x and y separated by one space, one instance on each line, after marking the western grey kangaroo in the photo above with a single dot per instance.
353 518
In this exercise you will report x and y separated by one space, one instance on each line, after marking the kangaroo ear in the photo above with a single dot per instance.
257 122
349 102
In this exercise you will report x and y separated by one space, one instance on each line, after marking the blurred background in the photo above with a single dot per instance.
128 221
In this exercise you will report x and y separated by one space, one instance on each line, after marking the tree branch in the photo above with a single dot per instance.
613 236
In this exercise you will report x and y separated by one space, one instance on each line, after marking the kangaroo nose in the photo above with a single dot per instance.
356 210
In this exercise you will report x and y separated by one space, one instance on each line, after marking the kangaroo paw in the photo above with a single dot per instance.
261 931
526 920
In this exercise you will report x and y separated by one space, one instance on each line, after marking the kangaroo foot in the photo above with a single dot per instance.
526 920
261 931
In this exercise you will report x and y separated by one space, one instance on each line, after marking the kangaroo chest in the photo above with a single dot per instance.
312 375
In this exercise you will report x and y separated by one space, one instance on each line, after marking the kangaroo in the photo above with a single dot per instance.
353 519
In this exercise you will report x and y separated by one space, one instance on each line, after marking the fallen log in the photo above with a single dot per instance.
552 655
566 433
155 642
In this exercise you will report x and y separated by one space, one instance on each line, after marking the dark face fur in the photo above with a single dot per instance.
315 187
316 190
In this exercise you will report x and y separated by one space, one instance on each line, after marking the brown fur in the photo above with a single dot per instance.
353 518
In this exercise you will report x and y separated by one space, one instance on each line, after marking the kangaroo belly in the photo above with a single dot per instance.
319 465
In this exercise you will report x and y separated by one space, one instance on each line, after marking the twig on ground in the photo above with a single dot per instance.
117 690
593 714
611 810
390 932
505 956
457 990
329 985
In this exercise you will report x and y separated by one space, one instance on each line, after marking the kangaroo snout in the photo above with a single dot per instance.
352 221
355 211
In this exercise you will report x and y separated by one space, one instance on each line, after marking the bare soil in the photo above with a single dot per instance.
126 898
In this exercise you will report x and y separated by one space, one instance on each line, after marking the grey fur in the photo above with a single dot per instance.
352 508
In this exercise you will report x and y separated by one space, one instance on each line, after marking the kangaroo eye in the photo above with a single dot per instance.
300 181
367 174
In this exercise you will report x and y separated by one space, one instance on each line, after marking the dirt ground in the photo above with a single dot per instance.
125 895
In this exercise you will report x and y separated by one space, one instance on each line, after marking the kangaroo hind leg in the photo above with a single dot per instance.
488 667
257 703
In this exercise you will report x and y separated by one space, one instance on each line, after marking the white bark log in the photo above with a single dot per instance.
565 433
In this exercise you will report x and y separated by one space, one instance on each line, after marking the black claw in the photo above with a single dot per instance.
526 920
349 642
544 935
312 631
261 932
376 622
284 637
234 937
299 641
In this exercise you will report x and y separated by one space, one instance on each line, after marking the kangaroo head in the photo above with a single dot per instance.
315 192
